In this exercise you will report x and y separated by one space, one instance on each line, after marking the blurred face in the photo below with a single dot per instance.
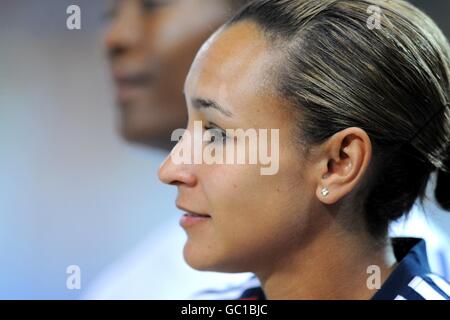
239 220
151 44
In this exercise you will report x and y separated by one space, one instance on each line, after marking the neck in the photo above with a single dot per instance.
330 267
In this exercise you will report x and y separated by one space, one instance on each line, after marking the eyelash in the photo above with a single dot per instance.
221 132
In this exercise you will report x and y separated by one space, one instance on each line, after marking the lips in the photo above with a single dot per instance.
130 77
198 215
131 86
133 80
190 213
191 219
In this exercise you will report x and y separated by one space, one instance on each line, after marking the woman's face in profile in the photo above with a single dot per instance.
253 217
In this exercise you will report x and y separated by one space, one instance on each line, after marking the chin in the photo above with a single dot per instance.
204 261
198 259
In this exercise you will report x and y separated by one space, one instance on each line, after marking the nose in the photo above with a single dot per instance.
175 173
126 30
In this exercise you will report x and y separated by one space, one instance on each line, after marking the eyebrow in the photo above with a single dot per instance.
200 103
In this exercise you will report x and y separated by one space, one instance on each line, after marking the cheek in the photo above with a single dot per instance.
251 208
230 189
241 190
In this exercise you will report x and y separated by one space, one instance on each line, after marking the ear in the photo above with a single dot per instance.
344 161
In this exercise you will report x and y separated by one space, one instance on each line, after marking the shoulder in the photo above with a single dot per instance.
426 287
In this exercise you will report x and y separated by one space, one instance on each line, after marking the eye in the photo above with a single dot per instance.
216 135
151 4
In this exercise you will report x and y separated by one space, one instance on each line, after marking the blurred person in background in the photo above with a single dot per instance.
151 45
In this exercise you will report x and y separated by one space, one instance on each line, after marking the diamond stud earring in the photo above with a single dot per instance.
324 191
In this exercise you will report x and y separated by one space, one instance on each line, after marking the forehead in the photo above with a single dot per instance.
233 64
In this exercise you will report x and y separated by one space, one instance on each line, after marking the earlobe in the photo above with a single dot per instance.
324 192
324 195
